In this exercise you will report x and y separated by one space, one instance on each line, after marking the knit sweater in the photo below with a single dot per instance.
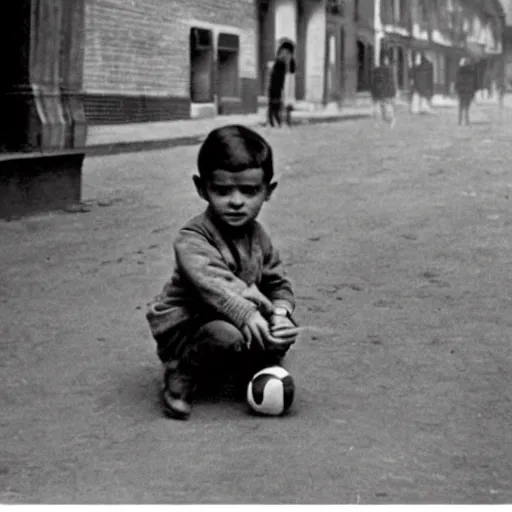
212 271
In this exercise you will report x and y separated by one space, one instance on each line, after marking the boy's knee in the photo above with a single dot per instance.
221 333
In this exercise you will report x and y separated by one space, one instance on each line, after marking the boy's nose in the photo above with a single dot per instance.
236 200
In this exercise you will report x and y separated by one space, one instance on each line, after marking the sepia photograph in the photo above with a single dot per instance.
256 252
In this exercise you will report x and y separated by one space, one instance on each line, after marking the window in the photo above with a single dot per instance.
228 49
201 63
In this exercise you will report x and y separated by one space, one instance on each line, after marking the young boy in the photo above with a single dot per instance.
228 305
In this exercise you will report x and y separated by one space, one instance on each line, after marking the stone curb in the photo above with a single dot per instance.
117 148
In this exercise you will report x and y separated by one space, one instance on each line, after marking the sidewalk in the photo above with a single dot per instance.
480 99
112 139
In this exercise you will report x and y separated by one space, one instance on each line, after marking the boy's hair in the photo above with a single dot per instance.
235 148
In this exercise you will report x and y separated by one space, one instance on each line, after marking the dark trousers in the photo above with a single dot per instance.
274 111
464 105
211 351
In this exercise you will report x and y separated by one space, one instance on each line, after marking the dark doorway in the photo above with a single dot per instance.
227 66
201 65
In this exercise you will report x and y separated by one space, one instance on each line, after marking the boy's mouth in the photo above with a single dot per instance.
234 215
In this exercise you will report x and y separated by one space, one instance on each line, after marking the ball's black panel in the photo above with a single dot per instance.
289 392
258 387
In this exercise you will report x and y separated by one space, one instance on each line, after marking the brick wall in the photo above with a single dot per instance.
140 48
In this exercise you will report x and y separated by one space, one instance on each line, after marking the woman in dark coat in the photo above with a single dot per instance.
466 86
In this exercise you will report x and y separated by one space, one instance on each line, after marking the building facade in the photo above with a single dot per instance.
77 63
442 30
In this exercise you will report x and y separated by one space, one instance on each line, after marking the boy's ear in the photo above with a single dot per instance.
271 187
199 187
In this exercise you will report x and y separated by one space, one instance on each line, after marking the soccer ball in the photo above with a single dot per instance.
271 391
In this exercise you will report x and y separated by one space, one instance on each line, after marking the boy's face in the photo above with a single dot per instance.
235 198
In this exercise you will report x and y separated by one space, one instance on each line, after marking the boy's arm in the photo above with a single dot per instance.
202 266
274 282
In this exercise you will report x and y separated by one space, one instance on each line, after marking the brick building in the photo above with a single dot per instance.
148 60
77 63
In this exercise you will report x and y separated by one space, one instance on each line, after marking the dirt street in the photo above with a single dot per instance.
399 242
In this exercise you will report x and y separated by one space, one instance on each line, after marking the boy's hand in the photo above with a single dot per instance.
257 330
254 295
284 329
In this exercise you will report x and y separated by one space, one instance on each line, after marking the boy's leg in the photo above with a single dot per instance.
210 347
461 108
213 349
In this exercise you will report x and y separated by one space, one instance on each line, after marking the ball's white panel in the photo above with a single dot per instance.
273 399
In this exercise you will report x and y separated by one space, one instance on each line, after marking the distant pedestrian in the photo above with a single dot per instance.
466 85
422 84
383 91
277 82
227 309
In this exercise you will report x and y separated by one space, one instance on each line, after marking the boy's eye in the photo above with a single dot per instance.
246 190
220 190
249 190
